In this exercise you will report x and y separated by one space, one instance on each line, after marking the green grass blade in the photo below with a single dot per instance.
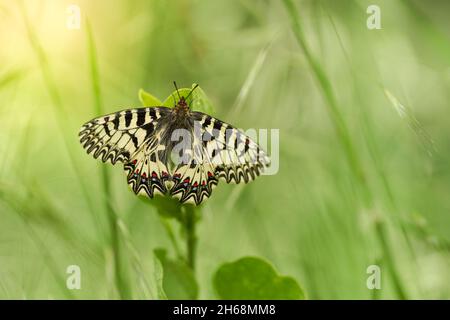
344 136
58 107
120 277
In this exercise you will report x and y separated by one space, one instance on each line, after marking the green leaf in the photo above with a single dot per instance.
148 100
254 278
197 100
178 280
172 100
158 276
201 102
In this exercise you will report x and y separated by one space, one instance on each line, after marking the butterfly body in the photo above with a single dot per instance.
173 151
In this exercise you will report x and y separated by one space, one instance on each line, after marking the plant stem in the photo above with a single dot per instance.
191 238
381 232
119 278
171 236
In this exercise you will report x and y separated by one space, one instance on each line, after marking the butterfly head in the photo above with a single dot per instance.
181 108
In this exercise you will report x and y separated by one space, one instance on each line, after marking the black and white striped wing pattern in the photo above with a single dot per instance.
146 173
130 136
218 151
117 136
194 182
141 140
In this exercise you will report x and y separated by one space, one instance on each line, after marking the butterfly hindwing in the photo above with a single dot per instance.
194 182
146 174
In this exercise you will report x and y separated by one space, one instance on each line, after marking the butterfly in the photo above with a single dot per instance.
174 151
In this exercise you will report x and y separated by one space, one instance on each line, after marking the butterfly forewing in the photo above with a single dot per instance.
234 155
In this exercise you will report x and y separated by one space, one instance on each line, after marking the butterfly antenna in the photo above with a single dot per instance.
174 101
192 90
178 93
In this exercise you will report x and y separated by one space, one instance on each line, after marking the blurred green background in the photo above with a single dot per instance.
364 173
